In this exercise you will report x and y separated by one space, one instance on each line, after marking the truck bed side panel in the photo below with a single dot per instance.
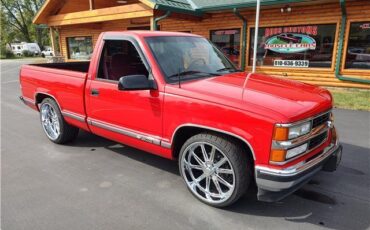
66 87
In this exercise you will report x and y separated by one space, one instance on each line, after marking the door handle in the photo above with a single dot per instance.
94 92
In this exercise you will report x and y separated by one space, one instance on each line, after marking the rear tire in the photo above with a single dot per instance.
53 123
216 169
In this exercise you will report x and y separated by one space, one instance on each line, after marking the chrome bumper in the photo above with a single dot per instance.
274 184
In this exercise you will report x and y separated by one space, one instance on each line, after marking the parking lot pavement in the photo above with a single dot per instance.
95 183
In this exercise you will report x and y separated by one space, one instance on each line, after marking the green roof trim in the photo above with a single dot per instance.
183 4
214 5
198 7
178 6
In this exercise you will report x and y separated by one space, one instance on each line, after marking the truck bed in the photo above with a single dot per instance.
65 82
73 66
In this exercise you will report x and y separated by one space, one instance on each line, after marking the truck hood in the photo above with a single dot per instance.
280 99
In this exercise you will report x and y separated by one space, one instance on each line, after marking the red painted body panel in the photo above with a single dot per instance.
246 106
66 87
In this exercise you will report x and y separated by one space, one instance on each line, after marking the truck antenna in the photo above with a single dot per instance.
179 76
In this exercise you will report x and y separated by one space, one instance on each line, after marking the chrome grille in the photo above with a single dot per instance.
316 141
320 120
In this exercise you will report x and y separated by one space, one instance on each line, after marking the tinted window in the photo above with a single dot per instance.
358 52
120 58
189 57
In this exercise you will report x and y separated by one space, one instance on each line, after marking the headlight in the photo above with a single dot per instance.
287 133
299 130
296 151
281 155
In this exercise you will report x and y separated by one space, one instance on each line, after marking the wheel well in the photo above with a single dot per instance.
41 96
184 133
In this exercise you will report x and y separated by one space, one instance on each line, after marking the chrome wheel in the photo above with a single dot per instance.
50 121
208 172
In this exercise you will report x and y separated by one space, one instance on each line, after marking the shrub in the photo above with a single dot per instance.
6 53
9 54
27 53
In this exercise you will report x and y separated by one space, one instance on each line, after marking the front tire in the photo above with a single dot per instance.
53 123
215 168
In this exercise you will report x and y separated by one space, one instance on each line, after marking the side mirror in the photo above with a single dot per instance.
136 82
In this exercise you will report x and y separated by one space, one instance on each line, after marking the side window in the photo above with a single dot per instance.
120 58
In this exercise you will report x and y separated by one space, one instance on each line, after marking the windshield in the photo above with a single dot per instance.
188 58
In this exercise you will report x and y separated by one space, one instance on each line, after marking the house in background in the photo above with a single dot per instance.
324 42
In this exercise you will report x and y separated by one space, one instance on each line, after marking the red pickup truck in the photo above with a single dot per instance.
176 95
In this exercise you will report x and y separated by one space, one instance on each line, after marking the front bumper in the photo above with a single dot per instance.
274 185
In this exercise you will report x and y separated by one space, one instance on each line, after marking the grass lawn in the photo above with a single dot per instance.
355 99
18 57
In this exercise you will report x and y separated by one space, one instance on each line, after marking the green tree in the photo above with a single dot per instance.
16 21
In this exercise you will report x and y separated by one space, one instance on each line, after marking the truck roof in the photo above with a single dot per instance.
146 33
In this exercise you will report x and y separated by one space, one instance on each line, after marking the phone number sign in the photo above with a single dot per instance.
292 63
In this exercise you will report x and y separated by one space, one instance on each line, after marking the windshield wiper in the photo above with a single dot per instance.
227 68
190 72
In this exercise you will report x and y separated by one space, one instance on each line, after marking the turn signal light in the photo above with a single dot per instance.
277 155
281 133
334 135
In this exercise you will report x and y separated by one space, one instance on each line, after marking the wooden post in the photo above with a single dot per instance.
152 23
52 39
59 52
92 5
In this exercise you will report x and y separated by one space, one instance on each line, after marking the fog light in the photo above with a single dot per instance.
296 151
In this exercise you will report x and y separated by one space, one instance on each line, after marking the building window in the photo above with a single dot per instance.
228 41
294 46
79 48
358 52
139 28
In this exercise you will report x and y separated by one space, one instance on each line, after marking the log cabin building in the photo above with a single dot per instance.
323 42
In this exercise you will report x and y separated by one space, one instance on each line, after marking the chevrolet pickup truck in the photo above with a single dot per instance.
177 96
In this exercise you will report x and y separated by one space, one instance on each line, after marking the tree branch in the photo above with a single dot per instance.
11 13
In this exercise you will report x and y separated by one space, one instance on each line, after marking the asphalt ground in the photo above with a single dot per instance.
95 183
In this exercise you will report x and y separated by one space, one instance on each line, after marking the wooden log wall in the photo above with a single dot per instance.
302 14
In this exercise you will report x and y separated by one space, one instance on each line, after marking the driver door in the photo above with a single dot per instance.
125 116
